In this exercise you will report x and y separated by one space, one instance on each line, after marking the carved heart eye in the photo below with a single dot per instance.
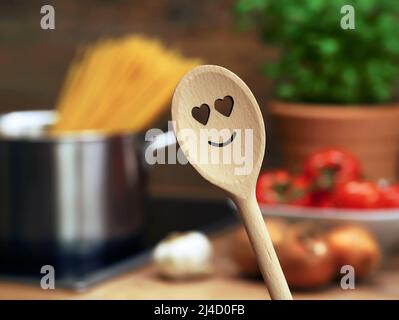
201 114
225 105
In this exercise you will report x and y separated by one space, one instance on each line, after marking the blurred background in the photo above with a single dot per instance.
76 193
35 61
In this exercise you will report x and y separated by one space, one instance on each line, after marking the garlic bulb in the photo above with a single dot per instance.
184 255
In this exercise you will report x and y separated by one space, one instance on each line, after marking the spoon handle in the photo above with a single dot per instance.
262 244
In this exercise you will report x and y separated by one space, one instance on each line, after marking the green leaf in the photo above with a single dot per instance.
285 91
321 62
328 46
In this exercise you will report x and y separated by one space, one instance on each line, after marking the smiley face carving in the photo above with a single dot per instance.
223 140
201 114
223 106
223 144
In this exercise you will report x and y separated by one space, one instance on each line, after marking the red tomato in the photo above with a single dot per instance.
272 185
357 194
390 196
298 192
330 167
322 199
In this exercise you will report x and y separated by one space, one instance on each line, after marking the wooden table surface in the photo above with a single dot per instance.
143 283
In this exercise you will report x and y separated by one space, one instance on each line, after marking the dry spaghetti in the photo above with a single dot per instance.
119 85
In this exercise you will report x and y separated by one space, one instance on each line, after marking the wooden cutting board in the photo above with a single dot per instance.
143 283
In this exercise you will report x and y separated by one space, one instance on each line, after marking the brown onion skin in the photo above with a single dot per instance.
242 252
355 246
304 266
306 260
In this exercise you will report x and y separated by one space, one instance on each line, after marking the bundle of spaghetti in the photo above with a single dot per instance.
119 85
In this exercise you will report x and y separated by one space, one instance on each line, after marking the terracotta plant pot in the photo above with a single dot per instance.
370 132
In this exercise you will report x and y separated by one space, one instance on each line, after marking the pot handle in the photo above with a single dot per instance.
156 143
161 141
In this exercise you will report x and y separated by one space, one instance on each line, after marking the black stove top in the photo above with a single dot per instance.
87 268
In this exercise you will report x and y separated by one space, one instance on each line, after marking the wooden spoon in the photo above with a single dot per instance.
211 97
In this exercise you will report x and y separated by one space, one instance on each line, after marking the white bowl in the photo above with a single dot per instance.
384 223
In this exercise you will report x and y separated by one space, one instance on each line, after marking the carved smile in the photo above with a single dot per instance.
222 144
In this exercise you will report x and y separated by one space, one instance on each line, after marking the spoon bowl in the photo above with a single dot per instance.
206 86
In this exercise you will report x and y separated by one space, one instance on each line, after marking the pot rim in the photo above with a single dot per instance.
46 118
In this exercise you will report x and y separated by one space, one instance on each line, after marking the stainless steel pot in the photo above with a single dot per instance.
66 199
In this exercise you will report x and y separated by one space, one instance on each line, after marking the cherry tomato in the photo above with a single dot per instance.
330 167
322 199
298 192
272 186
390 196
357 194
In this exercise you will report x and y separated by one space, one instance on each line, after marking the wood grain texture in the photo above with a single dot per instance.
198 92
226 283
263 247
